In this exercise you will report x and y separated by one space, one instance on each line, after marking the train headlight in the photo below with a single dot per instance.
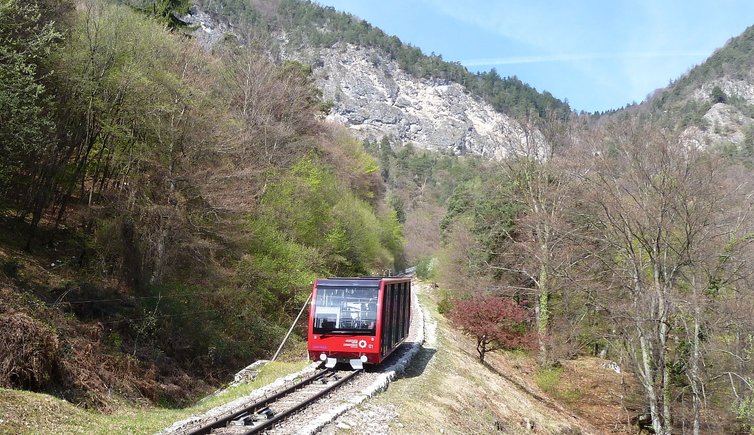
363 358
322 357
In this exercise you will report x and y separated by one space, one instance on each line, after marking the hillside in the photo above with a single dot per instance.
176 174
161 219
498 396
447 390
713 104
379 86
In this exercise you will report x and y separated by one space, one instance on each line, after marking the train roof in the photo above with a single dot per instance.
366 281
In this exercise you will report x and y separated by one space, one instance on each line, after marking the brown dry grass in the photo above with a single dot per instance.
602 393
28 351
449 391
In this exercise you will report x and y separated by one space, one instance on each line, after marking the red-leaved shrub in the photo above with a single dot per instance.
495 322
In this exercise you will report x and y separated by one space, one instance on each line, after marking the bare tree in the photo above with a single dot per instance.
541 187
273 107
661 210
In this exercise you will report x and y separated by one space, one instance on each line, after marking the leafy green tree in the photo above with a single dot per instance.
717 95
26 103
386 156
312 207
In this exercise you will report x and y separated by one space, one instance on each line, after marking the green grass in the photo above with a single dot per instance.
26 412
569 395
548 379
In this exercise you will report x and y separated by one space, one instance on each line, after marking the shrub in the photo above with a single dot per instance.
548 378
11 267
426 268
744 410
28 351
718 96
445 302
495 322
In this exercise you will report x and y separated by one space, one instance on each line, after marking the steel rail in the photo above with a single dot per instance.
284 414
223 421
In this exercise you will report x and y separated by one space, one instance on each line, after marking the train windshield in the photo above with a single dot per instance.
345 310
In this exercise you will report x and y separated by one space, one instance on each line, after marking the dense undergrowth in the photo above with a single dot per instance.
164 209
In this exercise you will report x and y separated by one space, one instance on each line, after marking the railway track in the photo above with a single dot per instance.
278 405
315 414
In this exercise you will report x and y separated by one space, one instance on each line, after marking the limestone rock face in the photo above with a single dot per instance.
208 30
723 123
376 98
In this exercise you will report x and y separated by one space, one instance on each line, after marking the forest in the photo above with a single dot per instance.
162 205
169 206
617 239
625 244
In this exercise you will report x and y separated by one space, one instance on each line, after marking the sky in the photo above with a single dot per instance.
596 54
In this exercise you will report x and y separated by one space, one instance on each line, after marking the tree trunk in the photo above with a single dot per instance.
481 347
542 311
694 373
646 374
695 359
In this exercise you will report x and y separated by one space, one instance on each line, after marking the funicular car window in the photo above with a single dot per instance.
345 310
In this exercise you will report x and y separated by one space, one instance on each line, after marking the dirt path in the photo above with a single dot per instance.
446 390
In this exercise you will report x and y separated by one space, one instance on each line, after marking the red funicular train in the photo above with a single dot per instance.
358 320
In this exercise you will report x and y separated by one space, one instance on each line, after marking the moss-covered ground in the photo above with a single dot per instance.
23 412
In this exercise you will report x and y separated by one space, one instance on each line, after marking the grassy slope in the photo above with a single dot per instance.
448 390
445 390
26 412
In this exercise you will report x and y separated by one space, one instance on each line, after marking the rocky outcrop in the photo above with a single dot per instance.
207 30
724 123
376 98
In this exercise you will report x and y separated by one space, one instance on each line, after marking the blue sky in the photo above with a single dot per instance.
597 54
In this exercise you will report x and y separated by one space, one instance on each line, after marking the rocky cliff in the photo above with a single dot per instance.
723 122
376 98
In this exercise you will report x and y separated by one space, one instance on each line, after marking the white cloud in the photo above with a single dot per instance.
574 57
520 22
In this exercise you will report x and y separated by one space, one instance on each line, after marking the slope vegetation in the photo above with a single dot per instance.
713 104
163 210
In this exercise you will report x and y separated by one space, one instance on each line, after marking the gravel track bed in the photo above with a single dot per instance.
214 414
373 419
319 415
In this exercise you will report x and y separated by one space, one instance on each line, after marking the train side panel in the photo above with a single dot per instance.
391 319
395 314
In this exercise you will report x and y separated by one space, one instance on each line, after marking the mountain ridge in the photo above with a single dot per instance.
373 94
713 103
377 99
